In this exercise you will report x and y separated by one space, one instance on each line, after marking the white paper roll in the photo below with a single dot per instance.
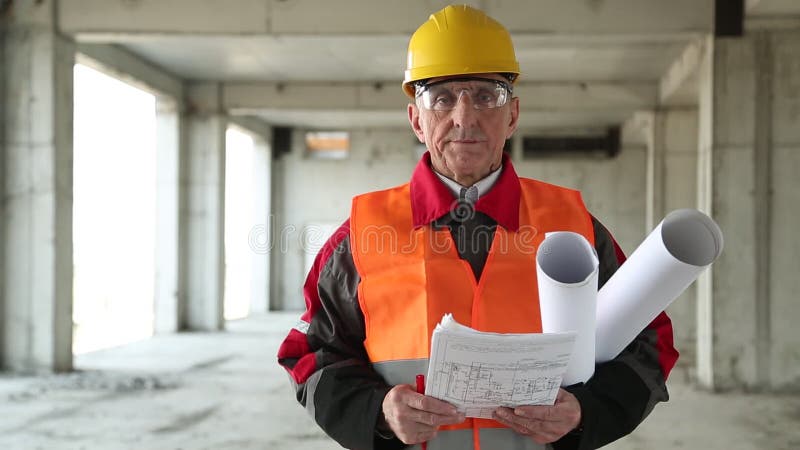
659 270
566 269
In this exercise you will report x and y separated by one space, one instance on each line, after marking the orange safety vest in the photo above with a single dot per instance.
411 277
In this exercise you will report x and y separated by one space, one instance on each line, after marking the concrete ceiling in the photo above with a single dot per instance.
622 46
382 58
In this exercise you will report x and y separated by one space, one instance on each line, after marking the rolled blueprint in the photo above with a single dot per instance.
684 244
566 270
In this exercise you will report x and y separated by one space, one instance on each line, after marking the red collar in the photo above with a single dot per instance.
430 198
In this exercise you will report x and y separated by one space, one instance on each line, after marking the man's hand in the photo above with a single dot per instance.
414 417
544 424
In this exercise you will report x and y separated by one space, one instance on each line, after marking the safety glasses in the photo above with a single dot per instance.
444 95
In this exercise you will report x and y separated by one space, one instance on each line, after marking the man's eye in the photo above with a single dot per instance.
485 97
443 100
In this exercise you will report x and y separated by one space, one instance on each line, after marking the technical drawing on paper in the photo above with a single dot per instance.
477 372
505 384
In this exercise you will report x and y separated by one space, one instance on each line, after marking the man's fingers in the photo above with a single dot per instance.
544 413
432 405
541 431
423 417
414 417
435 420
537 427
431 411
512 423
566 409
537 430
507 417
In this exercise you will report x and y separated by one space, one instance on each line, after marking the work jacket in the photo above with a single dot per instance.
386 276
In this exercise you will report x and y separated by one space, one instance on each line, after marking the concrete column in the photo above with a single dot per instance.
783 191
748 160
37 141
705 146
3 143
672 184
203 242
259 234
169 304
277 245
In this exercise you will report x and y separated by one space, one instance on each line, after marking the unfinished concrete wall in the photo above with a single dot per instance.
753 100
784 255
3 66
612 188
37 178
315 191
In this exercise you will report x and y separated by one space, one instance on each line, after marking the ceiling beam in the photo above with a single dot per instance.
544 96
360 105
530 119
679 85
252 124
128 67
91 19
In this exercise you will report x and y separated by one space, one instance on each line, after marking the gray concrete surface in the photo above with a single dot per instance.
194 391
36 206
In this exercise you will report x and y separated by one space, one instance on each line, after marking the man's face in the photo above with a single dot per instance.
465 143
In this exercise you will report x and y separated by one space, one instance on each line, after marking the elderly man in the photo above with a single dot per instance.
439 244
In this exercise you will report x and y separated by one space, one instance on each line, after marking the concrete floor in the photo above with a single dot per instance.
225 391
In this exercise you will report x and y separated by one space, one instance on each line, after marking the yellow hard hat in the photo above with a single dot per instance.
459 40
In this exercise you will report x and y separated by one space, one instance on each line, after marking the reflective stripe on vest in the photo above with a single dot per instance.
411 277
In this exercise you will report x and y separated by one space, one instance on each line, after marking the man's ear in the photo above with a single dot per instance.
514 121
413 119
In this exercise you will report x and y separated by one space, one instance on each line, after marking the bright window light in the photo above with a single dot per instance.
239 221
114 211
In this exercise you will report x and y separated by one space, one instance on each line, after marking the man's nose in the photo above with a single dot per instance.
464 114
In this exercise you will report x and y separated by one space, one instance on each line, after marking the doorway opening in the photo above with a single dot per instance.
240 215
114 215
